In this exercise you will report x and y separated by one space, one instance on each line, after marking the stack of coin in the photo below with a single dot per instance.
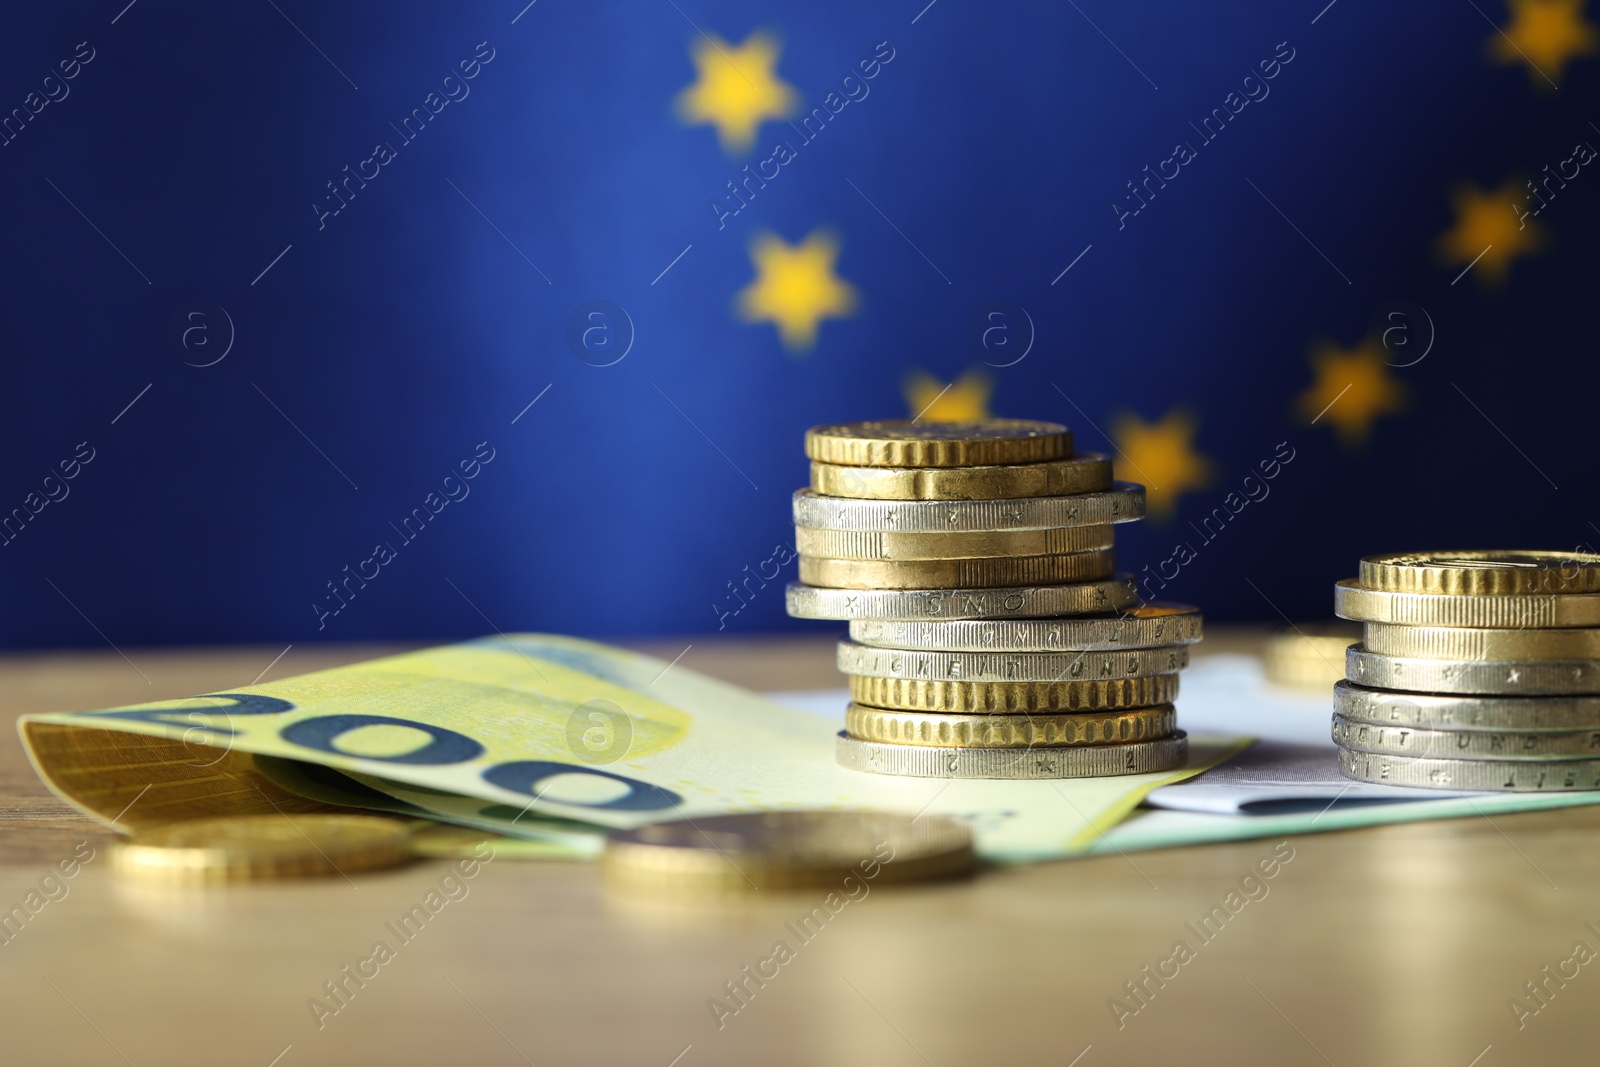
1476 670
990 635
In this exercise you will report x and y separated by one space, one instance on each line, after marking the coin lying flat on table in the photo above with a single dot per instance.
1009 666
1002 571
1511 776
1493 646
1443 712
1080 598
1123 502
1353 601
1082 761
1466 744
1495 573
1008 731
1087 473
788 849
240 848
880 545
900 443
1014 698
1153 625
1465 676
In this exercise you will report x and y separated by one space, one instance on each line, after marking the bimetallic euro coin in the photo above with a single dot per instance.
1123 502
1494 573
1464 676
1009 666
1153 625
1510 776
1355 602
1465 744
997 572
1385 707
1494 646
788 849
1009 731
1087 473
1081 761
890 546
1079 598
903 443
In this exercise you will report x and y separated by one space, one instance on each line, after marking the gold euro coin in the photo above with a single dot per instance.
1309 656
1087 473
1009 731
899 443
1496 573
991 573
1492 646
1013 698
890 545
260 847
788 849
1354 601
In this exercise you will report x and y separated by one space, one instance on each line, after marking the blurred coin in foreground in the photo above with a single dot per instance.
261 847
787 849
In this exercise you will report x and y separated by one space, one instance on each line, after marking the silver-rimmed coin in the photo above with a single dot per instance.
1500 776
1385 707
1465 744
1123 502
873 662
1084 761
1028 602
1466 676
1154 625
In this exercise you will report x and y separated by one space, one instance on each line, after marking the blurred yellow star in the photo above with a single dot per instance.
963 400
737 89
1352 387
1490 231
795 287
1546 35
1161 456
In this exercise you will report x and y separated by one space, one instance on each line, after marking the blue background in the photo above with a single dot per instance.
408 330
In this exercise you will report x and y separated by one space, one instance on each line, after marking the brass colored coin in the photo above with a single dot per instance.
1009 666
900 443
1509 776
1498 573
1384 707
881 545
1309 656
1492 646
1013 698
1470 677
1465 744
788 849
1026 602
1153 625
1070 761
1123 502
1009 731
1352 600
1088 473
260 847
997 572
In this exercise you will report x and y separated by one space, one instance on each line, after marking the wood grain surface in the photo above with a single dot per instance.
1396 945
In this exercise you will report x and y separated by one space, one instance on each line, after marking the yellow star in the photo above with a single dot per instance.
963 400
795 287
1161 455
1352 388
1490 225
737 88
1546 35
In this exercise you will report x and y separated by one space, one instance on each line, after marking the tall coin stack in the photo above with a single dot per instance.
990 635
1477 670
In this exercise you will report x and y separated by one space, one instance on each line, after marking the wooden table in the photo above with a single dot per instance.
1396 945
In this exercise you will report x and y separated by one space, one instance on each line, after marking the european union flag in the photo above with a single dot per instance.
412 320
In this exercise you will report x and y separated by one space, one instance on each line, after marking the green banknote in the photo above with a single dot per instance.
539 736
